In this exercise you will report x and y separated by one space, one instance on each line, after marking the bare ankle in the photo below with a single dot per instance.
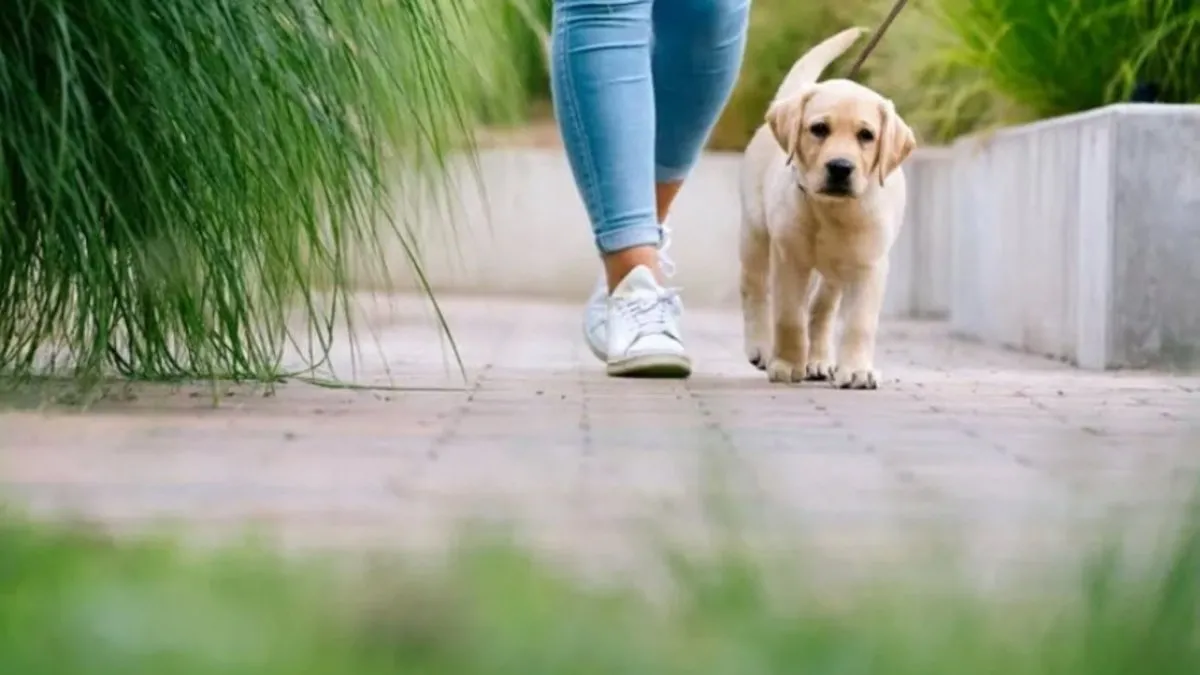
618 265
664 196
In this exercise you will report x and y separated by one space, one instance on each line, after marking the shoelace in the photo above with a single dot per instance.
664 261
667 266
651 313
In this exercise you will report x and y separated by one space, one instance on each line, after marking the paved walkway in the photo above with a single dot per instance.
1010 445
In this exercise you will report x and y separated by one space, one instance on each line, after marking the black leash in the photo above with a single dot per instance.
875 37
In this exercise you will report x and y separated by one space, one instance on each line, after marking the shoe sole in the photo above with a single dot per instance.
653 366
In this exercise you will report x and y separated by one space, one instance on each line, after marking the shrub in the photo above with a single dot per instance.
958 66
528 22
780 32
178 176
940 99
940 96
1055 57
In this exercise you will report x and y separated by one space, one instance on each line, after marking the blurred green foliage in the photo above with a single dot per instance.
1055 57
73 602
526 22
959 66
780 32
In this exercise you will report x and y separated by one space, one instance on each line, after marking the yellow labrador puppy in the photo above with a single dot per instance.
822 201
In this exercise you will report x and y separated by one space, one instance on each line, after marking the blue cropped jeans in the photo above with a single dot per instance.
638 86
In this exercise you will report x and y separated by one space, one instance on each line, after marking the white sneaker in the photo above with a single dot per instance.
595 313
644 339
595 319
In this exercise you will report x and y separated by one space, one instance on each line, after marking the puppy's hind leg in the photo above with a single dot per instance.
821 322
756 326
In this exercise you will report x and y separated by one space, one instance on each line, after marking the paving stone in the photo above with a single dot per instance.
1009 447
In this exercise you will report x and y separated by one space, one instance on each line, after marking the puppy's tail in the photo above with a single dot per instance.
809 67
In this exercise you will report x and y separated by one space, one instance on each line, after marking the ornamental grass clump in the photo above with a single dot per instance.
1056 57
181 179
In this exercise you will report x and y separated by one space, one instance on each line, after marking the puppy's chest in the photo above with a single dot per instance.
841 254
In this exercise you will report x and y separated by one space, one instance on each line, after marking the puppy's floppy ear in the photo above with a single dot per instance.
784 117
896 141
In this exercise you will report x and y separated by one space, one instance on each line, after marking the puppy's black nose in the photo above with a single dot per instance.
839 170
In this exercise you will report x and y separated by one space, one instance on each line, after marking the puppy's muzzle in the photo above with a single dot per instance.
839 174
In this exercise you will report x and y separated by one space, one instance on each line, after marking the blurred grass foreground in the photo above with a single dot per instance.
74 603
178 178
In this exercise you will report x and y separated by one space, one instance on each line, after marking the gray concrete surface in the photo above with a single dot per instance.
517 227
1078 237
1012 450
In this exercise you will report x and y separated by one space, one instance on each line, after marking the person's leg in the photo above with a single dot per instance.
698 48
604 102
696 55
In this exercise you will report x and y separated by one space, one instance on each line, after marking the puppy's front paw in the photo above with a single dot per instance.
818 371
784 371
845 378
757 356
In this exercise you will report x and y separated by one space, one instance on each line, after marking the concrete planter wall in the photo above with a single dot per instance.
920 283
518 227
1077 238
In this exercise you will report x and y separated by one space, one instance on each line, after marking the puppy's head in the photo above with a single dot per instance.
842 136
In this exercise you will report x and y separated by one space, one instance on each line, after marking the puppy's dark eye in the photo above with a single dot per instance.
865 135
819 129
